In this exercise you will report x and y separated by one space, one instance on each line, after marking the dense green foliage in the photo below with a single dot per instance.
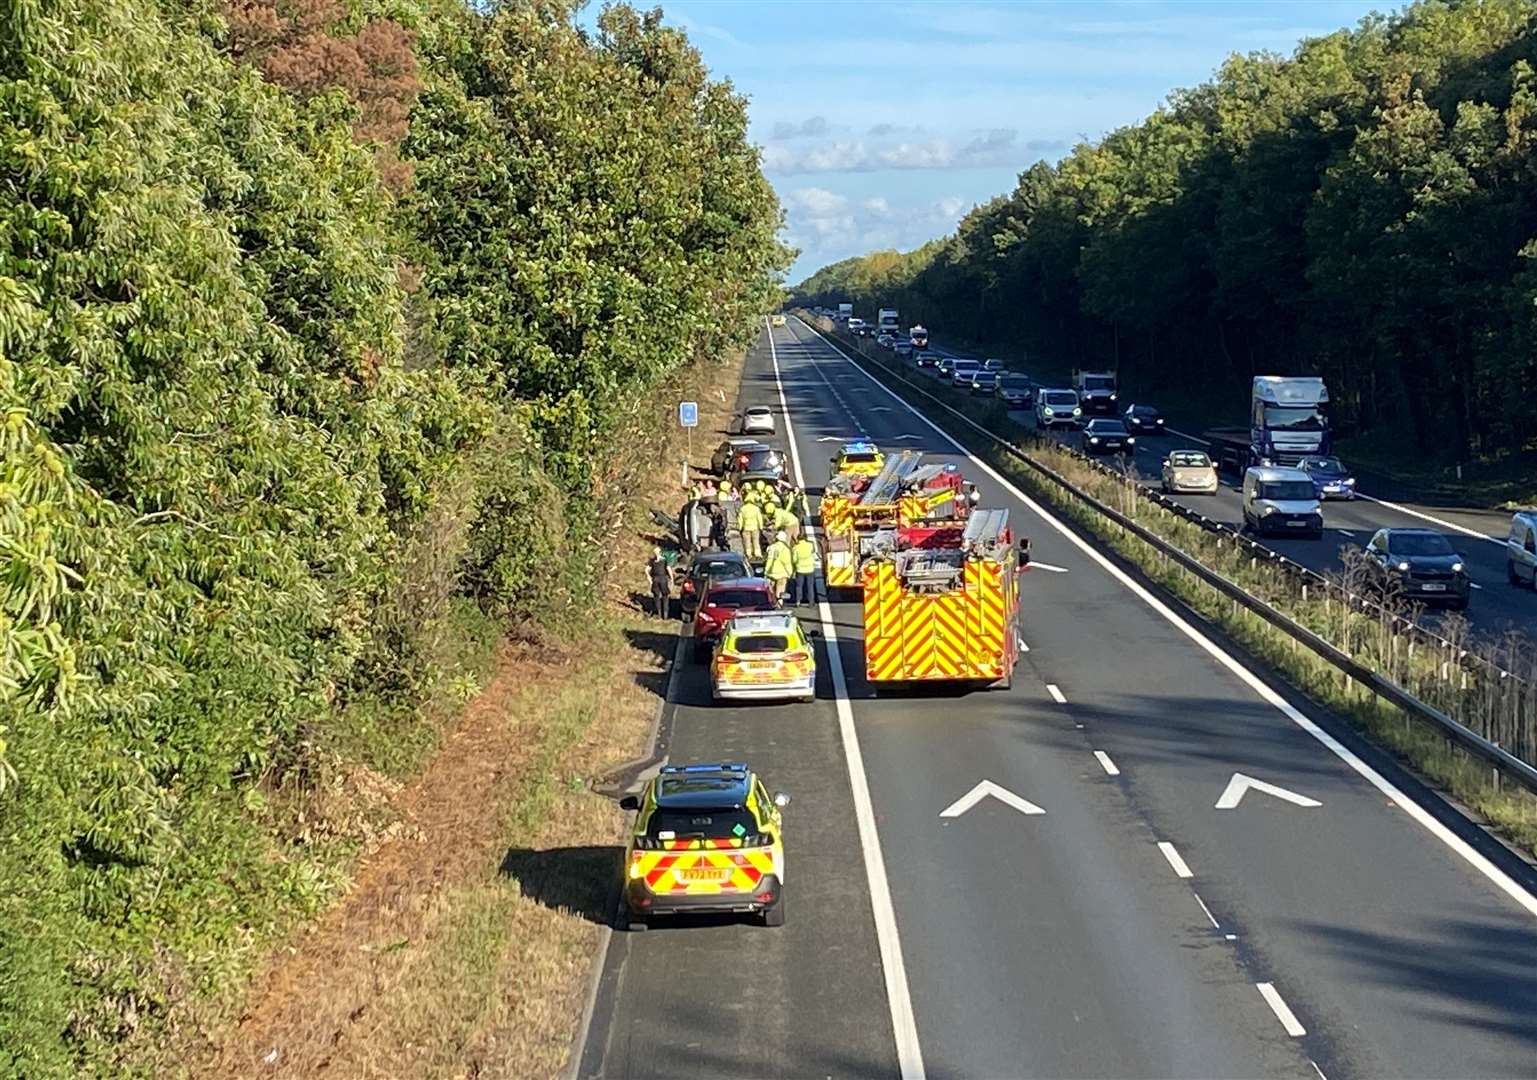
1365 209
271 428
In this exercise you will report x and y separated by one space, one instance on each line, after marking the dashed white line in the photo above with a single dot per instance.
1056 693
1435 520
903 1023
1316 1069
1282 1011
1347 532
1212 918
1178 863
1109 766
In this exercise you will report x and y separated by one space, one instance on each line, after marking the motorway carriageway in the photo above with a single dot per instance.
1121 901
1497 605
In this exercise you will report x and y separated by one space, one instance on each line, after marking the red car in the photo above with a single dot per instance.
723 599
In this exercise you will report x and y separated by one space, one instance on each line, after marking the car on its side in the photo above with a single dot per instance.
763 657
1281 500
757 420
707 838
1057 408
983 381
1330 477
1143 420
707 567
1108 436
1521 549
1015 391
731 454
1189 471
961 371
1419 564
721 601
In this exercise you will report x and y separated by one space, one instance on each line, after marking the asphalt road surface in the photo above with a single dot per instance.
1328 924
1496 606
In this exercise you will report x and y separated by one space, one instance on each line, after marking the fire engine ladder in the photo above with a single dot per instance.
887 485
985 529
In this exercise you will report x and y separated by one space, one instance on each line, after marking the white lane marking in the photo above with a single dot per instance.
1048 567
1500 540
1109 766
1316 1069
1501 880
1237 787
1178 863
1215 924
1282 1011
1475 585
982 791
1056 693
903 1024
1347 532
1023 647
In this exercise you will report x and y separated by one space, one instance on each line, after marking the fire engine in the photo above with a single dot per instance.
941 603
856 509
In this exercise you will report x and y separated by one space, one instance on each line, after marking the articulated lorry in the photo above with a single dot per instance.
844 311
1288 421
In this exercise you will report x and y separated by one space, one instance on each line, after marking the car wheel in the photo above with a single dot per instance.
775 916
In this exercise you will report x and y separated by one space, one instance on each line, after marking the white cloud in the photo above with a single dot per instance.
994 147
826 226
813 126
815 201
877 205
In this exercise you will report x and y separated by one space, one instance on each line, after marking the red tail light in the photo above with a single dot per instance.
798 654
727 658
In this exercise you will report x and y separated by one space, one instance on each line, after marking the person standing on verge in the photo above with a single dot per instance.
803 559
661 583
778 566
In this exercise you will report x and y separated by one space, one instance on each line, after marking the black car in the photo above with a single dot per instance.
1107 437
1419 564
1143 420
709 566
1015 391
983 381
761 459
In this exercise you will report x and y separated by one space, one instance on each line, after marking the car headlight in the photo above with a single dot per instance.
1112 397
1077 412
1048 412
1159 420
1094 438
1267 511
1349 481
1131 440
1456 568
1403 567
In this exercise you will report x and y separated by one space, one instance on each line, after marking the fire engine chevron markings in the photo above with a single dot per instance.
1240 784
982 791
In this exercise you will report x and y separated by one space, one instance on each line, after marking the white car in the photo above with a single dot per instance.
1189 471
758 420
1057 408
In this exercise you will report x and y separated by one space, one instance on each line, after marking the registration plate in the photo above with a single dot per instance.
1434 587
1296 524
759 665
704 874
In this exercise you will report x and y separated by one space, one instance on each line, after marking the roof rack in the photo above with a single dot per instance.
986 529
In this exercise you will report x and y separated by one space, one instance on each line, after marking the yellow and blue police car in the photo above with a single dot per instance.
858 458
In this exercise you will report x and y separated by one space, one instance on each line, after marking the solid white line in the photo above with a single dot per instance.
1048 567
903 1024
1180 869
1316 1069
1500 540
1056 693
1501 880
1347 532
1282 1012
1104 759
1023 647
1475 585
1215 924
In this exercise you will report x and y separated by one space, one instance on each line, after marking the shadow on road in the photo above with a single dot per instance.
576 879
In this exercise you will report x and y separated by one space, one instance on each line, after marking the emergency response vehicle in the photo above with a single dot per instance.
763 656
859 457
707 838
943 604
855 509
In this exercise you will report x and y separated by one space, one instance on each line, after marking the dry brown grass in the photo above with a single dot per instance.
464 946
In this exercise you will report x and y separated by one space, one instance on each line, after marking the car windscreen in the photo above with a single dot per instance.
966 365
1294 418
1058 398
1190 460
1288 491
1015 383
1106 427
738 598
761 459
1418 544
761 643
700 823
721 568
859 458
1101 383
1323 464
1143 410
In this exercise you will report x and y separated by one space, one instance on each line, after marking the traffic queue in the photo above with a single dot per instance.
939 602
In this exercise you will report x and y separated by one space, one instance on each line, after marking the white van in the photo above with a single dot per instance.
1277 500
1521 549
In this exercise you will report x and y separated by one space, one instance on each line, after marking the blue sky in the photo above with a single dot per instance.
882 123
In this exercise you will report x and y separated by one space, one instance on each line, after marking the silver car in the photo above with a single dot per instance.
1189 471
758 420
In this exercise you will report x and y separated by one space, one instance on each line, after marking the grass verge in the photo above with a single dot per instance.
464 945
1502 710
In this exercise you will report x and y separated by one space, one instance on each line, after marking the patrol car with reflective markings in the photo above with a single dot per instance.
707 838
857 458
763 656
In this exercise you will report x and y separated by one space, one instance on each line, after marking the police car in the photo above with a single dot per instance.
707 838
857 458
763 656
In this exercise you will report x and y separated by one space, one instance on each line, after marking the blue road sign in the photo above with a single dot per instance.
688 413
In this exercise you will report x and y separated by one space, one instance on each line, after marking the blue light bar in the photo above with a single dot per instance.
724 767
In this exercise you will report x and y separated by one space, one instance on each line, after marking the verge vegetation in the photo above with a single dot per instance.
1503 710
1364 209
327 329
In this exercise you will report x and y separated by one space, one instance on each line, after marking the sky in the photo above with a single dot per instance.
883 123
